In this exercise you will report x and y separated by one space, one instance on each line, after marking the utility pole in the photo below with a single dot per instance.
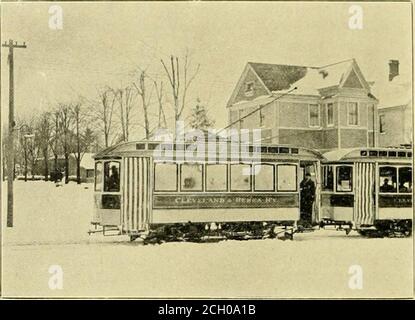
10 148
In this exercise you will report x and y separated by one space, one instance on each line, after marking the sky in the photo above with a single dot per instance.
103 43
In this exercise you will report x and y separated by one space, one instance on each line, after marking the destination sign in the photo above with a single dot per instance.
225 201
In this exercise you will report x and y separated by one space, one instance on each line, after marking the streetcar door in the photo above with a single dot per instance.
364 192
136 204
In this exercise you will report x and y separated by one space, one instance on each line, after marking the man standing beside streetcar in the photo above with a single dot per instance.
308 194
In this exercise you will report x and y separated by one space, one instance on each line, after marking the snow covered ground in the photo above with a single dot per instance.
51 225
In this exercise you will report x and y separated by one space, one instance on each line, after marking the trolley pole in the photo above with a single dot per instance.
10 145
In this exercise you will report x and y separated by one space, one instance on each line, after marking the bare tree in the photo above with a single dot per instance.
65 123
43 133
83 139
125 99
162 123
145 102
77 118
103 111
54 143
32 145
26 150
175 75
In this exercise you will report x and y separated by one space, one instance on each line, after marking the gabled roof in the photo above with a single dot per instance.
308 80
277 77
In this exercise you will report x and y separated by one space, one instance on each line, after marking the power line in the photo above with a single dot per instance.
256 110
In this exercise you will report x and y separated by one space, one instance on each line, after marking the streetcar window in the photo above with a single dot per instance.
344 178
216 177
165 177
98 176
191 177
387 183
328 178
405 180
111 201
112 176
287 177
264 177
240 177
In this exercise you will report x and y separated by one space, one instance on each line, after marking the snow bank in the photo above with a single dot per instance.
51 229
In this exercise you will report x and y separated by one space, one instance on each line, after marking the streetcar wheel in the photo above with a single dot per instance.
133 237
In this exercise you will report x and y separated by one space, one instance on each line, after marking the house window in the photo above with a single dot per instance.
382 123
89 173
233 116
261 118
353 114
249 88
330 114
241 114
314 115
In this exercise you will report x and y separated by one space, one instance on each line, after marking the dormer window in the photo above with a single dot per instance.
249 88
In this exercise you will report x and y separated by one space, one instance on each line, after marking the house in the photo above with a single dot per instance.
87 166
324 108
395 107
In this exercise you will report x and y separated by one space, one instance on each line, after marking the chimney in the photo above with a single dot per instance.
393 69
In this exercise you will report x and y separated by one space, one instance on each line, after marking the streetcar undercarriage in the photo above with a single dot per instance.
387 228
213 232
380 229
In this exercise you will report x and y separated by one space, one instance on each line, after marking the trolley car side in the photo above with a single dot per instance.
227 196
369 189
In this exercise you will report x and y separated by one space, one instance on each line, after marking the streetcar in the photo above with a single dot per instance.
169 191
368 189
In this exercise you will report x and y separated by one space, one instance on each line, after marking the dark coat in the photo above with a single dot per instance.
308 190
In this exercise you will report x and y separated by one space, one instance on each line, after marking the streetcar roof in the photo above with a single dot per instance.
148 148
374 154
